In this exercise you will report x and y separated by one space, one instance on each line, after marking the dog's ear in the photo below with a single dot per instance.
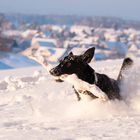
70 54
88 55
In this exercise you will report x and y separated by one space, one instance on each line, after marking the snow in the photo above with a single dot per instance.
28 33
11 33
12 60
33 106
4 66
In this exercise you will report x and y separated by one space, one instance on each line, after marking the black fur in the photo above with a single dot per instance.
126 64
78 64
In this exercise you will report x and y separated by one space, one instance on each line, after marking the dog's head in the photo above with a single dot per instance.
72 64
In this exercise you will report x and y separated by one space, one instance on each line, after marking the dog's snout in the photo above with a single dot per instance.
51 71
54 72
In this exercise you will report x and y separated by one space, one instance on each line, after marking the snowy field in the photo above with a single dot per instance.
35 107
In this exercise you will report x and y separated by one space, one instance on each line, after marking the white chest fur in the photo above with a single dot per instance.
83 86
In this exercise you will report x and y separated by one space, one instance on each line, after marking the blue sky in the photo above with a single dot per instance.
128 9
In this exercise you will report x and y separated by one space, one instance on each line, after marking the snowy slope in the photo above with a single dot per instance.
34 107
4 66
12 60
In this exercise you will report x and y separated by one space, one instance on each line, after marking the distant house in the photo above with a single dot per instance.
45 47
44 42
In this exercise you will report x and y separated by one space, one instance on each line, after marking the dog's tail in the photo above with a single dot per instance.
127 63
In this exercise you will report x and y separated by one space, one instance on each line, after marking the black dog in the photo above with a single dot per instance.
78 64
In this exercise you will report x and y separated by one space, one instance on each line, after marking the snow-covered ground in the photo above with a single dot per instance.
35 107
13 60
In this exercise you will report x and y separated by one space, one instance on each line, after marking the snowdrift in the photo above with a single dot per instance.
34 106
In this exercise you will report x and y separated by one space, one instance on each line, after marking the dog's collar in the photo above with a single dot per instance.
96 78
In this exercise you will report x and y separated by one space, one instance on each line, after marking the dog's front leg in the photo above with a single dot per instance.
97 92
77 94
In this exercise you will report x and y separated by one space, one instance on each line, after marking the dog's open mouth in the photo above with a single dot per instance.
60 78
